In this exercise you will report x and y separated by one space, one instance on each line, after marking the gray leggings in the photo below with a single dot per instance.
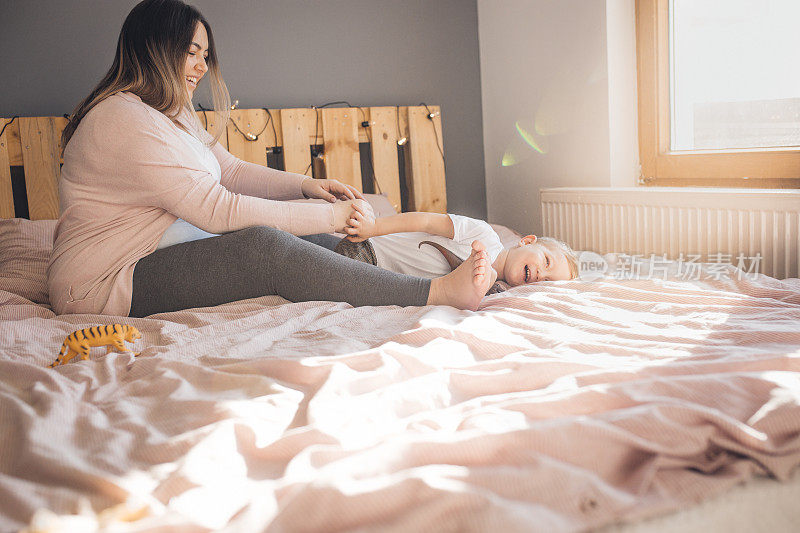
262 261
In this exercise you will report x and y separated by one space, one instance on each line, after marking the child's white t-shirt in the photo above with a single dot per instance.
180 230
399 252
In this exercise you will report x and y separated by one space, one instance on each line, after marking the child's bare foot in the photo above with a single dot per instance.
466 285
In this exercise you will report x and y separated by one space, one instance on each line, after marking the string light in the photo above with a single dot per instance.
367 125
8 123
400 141
249 136
252 137
317 154
271 121
316 132
431 116
320 155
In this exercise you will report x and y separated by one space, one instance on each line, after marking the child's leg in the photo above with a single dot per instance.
261 261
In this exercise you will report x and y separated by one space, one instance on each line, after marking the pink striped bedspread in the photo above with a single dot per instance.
559 407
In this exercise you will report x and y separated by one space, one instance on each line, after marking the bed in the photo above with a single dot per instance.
612 402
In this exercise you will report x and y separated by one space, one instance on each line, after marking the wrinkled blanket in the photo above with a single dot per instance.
556 407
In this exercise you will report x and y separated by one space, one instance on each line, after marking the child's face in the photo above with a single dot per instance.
531 262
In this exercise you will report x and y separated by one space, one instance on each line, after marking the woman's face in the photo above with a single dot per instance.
196 59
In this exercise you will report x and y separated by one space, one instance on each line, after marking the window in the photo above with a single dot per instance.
719 92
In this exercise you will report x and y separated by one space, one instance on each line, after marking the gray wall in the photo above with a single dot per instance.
559 101
276 53
544 72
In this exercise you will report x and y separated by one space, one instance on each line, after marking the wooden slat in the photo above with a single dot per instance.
40 153
734 183
403 115
6 193
15 151
427 189
403 122
276 119
210 120
384 131
14 146
340 138
296 132
251 121
40 156
59 123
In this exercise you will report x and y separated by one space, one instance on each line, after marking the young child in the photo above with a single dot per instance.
397 243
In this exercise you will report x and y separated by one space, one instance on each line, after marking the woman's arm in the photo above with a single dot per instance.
251 179
146 164
254 180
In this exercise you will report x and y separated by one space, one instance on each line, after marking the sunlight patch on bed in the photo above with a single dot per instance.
360 409
217 492
267 416
496 420
786 396
485 327
447 353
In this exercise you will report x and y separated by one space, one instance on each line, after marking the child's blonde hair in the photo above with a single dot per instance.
569 253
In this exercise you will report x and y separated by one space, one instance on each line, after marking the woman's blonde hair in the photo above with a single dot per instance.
150 62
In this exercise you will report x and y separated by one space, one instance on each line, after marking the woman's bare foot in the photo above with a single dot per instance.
466 285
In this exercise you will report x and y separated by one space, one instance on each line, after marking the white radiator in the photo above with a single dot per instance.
670 221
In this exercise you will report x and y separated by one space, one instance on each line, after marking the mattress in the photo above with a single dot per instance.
633 404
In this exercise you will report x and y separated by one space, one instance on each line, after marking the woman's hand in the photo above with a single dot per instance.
344 211
329 190
361 225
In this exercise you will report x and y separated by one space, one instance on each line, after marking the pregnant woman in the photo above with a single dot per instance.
155 215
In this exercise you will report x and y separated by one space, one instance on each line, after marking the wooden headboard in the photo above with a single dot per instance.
30 148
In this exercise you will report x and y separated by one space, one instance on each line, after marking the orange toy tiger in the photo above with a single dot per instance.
79 342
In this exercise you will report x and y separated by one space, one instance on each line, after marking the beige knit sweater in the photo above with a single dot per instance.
127 176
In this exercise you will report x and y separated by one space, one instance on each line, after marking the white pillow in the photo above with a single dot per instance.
25 247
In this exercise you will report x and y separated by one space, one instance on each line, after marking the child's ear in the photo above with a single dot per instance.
527 239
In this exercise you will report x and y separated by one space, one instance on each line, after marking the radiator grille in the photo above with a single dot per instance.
636 222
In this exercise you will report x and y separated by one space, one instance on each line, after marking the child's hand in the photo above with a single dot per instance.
362 224
343 212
